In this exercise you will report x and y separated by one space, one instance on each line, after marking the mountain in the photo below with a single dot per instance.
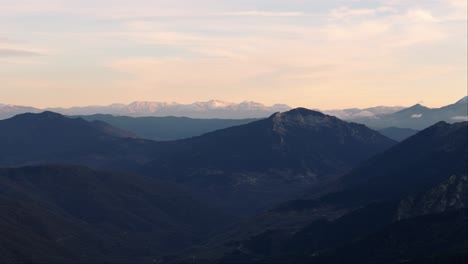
210 109
464 100
253 166
241 169
356 113
52 138
375 233
422 161
398 134
7 111
451 194
419 117
359 196
167 128
427 226
407 204
70 214
416 117
204 110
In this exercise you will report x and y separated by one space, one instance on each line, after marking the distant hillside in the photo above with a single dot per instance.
52 138
8 111
356 113
419 117
398 134
167 128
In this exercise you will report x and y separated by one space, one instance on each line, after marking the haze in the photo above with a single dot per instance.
317 54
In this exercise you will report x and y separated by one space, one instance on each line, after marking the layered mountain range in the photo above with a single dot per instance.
405 205
296 187
210 109
263 162
266 161
415 117
419 117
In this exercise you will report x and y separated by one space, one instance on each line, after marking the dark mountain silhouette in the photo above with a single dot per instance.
422 176
167 128
52 138
257 164
413 165
410 196
427 226
246 168
75 215
427 239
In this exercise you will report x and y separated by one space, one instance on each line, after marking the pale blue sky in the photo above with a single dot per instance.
318 54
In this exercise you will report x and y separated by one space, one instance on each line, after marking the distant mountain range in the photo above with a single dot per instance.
416 117
356 113
210 109
419 117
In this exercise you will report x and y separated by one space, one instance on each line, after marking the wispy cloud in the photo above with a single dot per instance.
264 14
347 12
9 53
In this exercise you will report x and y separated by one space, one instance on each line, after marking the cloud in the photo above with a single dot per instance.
460 118
345 12
4 40
264 14
9 53
141 25
422 15
416 116
463 4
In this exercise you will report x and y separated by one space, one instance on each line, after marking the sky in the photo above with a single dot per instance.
317 54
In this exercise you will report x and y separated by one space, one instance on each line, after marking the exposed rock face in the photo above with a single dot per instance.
449 195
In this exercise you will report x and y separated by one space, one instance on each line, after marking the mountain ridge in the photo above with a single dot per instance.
249 166
211 109
386 197
285 152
